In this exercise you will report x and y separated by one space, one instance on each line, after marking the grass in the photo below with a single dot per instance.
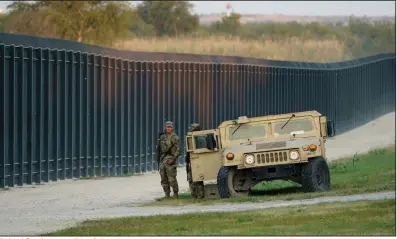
371 172
293 49
342 219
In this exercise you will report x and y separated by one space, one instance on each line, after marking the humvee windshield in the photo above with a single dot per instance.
296 126
247 131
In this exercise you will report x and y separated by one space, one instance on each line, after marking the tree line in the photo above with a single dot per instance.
104 22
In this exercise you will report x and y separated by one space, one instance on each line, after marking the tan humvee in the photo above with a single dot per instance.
241 153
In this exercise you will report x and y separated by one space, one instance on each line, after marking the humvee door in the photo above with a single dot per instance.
204 148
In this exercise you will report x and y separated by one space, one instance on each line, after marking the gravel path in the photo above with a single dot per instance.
234 207
39 209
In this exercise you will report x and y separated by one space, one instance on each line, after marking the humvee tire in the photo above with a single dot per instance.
226 182
316 175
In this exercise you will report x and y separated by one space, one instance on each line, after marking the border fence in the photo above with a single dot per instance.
71 110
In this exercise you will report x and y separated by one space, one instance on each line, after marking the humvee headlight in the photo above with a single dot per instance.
249 159
229 156
294 155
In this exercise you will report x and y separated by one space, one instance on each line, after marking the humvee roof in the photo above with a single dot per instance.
273 117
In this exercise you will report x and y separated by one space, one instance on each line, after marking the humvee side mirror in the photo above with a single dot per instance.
210 142
330 128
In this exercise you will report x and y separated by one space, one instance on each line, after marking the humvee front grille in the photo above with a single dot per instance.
272 157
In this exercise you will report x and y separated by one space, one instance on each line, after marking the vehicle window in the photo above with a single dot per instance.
213 141
246 131
201 141
297 126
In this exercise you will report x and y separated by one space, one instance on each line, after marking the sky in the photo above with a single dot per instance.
309 8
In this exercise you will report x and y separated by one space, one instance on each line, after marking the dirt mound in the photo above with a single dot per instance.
375 134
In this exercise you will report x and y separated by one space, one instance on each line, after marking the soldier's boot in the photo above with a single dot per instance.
167 192
192 190
176 196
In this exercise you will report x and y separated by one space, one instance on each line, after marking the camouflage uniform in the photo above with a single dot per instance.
168 172
196 188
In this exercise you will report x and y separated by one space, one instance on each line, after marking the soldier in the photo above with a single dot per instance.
196 188
169 151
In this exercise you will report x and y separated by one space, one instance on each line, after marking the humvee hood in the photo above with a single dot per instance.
271 145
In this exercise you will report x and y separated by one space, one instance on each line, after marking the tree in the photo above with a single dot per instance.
2 18
28 18
140 28
229 25
171 18
99 22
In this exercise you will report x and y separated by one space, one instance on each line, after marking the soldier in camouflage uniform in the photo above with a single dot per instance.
169 152
196 188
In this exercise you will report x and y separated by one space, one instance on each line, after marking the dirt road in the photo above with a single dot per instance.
37 209
125 211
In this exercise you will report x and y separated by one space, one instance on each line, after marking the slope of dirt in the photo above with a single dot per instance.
377 133
38 209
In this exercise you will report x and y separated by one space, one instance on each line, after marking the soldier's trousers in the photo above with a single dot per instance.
196 188
168 177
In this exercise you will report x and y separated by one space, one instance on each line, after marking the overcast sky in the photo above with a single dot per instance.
319 8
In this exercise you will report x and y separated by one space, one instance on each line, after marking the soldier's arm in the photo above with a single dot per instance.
159 146
177 145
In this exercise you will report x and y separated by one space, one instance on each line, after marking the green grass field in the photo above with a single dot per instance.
371 172
343 219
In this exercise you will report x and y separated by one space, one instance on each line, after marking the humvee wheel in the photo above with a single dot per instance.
316 176
232 182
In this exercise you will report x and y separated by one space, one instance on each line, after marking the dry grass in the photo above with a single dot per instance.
293 49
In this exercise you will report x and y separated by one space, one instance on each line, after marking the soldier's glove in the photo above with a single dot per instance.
170 161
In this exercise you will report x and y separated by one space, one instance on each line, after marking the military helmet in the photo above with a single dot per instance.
194 127
169 123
